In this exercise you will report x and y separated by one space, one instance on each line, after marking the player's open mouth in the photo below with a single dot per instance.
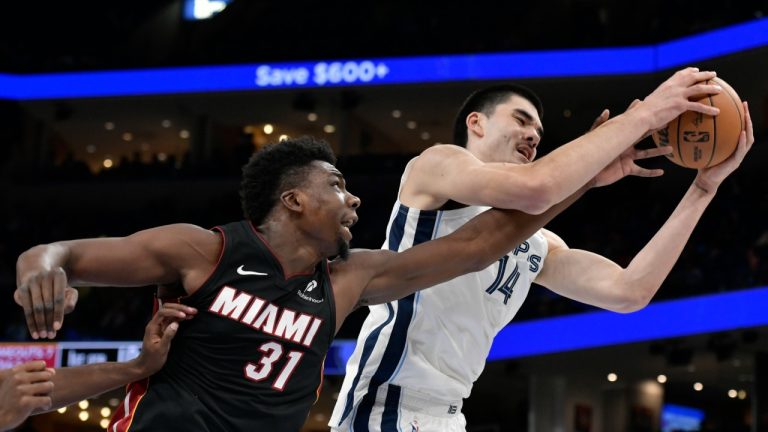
525 154
346 225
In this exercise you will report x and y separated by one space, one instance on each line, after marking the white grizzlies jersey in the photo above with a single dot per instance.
434 342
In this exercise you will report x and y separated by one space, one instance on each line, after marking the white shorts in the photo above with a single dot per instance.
416 413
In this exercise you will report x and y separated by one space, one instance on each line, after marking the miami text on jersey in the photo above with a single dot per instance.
261 315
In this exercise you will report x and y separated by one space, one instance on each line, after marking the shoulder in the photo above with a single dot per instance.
355 273
194 251
184 239
360 264
179 228
442 152
429 179
350 277
441 157
188 232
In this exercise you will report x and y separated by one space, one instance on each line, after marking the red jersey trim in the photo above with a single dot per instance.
332 301
320 387
123 418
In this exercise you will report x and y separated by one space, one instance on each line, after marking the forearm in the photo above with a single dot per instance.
73 384
570 166
508 228
474 246
652 264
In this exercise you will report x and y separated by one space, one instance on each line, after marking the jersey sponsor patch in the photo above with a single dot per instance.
305 293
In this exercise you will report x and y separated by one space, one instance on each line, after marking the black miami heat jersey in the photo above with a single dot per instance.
252 358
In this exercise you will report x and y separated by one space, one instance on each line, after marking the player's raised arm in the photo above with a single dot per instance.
595 280
450 172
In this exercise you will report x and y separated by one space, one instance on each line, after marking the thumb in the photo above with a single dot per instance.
70 299
170 332
602 118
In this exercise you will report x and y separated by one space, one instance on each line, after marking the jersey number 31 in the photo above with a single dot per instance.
273 352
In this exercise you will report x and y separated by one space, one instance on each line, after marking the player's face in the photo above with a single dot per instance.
512 133
334 210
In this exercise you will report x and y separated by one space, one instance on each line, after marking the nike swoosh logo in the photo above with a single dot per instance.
249 273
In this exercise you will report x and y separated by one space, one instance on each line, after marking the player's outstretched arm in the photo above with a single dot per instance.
165 254
385 275
595 280
73 384
450 172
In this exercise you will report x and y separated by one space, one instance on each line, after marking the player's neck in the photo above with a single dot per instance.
477 151
296 253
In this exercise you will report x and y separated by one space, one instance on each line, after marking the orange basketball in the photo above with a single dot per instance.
699 140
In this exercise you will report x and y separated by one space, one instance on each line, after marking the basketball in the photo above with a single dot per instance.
699 140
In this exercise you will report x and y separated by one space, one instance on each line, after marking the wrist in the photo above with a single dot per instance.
704 187
640 116
138 368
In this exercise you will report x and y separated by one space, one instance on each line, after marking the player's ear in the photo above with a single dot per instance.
293 200
475 124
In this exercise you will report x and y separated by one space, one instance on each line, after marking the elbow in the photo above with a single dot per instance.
540 196
627 308
482 257
636 299
537 207
476 265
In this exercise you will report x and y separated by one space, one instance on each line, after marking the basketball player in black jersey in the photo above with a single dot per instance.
270 301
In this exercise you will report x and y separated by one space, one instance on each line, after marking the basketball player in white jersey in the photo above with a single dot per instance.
417 358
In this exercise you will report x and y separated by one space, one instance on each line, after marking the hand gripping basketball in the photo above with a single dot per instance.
700 140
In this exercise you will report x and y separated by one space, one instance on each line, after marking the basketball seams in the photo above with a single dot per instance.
738 106
680 140
734 97
713 149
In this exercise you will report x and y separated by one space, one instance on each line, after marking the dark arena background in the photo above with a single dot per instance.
120 116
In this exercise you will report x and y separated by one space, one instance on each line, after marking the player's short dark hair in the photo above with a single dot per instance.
485 101
277 168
